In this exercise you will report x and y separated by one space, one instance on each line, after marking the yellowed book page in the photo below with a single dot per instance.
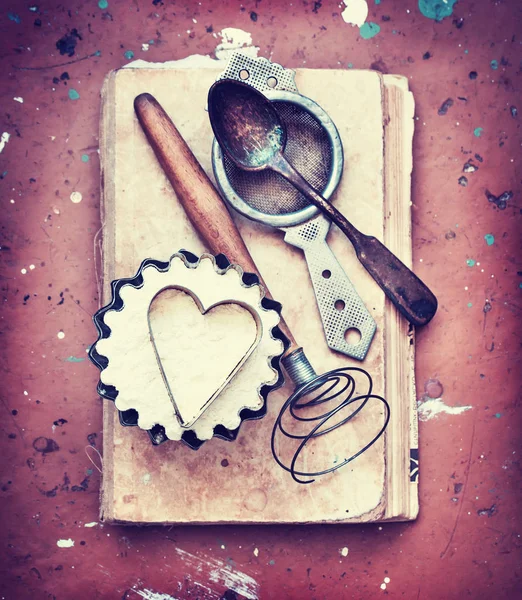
239 481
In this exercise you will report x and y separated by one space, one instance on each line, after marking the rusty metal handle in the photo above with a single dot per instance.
412 298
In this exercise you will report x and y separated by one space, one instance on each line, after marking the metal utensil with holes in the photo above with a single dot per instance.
251 132
314 146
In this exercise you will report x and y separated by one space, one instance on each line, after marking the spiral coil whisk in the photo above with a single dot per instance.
313 391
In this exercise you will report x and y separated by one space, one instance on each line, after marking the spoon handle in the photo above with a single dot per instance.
412 298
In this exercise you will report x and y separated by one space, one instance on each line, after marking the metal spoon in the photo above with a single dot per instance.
251 133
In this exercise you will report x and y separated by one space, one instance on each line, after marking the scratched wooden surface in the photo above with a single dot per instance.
465 73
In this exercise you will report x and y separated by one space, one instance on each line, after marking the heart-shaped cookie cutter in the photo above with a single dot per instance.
241 396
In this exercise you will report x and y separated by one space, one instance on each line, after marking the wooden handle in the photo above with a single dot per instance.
412 298
202 203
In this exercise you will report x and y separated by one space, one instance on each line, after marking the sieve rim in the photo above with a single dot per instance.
300 216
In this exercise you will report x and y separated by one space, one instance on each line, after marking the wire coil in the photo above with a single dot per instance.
327 388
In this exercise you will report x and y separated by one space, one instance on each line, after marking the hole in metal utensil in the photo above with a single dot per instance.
326 274
339 305
352 336
271 82
244 74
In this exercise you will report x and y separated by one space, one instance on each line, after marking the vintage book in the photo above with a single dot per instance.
239 482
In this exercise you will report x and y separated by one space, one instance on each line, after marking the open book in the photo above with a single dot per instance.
239 482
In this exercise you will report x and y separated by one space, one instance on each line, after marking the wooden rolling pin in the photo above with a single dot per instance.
202 203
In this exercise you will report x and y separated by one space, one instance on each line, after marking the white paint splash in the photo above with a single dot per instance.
219 572
256 552
146 478
145 47
344 551
65 543
355 12
60 335
233 40
4 139
151 595
433 407
93 524
76 197
18 99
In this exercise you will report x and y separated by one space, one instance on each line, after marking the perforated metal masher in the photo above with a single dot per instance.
314 148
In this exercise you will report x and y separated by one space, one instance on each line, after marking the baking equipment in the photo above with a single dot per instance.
208 214
216 369
251 132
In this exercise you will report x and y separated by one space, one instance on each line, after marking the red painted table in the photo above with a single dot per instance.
465 73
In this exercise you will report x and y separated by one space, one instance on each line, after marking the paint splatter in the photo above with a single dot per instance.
65 543
498 415
103 4
93 524
369 30
514 111
469 167
4 139
14 17
494 64
490 239
477 132
470 304
60 335
129 54
355 12
470 262
500 201
219 572
67 43
437 9
85 158
76 197
74 359
145 47
232 40
73 94
432 408
344 551
445 106
18 99
256 552
152 595
463 181
146 478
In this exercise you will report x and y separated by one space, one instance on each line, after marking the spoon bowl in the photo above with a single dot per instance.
245 124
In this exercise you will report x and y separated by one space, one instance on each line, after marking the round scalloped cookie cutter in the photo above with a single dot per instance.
212 283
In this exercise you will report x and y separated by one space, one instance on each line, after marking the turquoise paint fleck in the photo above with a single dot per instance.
14 17
103 4
74 359
394 31
437 9
466 51
470 262
498 415
350 65
97 53
377 1
88 472
271 562
369 30
477 132
469 306
520 285
85 158
494 64
129 54
73 94
490 239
